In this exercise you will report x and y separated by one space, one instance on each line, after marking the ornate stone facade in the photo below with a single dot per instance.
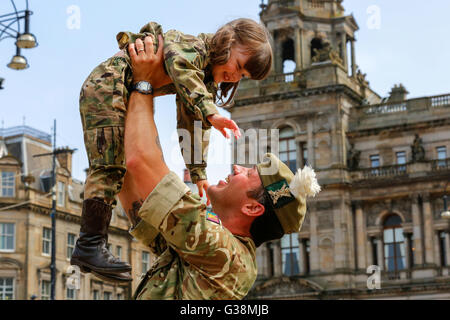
382 177
25 224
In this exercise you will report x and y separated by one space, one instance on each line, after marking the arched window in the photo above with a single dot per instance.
394 244
288 149
316 43
289 253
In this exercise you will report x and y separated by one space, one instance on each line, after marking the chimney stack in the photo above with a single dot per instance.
64 156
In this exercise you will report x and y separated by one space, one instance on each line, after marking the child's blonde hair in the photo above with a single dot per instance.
255 38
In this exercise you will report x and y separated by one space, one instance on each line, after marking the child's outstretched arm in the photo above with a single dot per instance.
221 123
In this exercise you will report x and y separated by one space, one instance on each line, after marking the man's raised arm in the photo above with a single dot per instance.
143 153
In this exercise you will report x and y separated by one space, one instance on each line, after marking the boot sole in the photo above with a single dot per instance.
86 268
106 277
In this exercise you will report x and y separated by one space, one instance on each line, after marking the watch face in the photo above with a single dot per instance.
144 86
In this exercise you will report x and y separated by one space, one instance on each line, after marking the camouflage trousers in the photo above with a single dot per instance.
103 103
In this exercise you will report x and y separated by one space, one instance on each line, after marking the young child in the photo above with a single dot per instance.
196 66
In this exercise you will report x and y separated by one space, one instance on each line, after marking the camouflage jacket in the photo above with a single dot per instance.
197 257
188 65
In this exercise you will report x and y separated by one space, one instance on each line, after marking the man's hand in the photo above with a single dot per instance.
222 123
203 185
146 65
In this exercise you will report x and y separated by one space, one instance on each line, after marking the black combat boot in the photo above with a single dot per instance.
90 251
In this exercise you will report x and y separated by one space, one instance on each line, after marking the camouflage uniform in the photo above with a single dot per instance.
104 99
198 257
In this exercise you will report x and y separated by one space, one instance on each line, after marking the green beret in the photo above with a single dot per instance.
287 191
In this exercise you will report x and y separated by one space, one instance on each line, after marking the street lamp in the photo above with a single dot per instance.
24 40
446 213
18 62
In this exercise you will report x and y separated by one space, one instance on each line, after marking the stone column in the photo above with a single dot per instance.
302 256
278 262
353 58
428 230
314 245
311 153
344 50
417 231
274 49
265 258
370 261
360 237
380 252
278 55
298 49
447 248
407 237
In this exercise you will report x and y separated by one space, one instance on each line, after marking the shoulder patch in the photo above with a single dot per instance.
211 216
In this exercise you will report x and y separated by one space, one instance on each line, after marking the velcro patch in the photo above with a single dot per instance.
211 216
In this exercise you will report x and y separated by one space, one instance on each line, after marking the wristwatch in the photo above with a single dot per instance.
143 87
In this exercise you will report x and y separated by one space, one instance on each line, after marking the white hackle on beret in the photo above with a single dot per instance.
304 184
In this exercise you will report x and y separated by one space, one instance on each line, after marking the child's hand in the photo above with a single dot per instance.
203 185
222 123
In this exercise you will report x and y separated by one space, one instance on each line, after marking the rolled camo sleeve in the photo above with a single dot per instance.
180 218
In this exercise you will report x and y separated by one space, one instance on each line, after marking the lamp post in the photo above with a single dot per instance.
24 40
446 213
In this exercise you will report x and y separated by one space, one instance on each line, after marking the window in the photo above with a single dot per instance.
119 252
70 244
441 155
270 248
304 153
119 296
289 252
71 294
307 252
7 237
61 194
96 295
375 163
373 244
443 255
47 241
7 184
145 261
45 290
394 246
6 288
401 160
288 150
107 295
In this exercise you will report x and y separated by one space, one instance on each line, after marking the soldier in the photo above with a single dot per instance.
194 68
204 254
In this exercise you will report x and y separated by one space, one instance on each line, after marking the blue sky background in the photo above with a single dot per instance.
410 47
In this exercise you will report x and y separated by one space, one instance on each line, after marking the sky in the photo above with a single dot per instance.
402 41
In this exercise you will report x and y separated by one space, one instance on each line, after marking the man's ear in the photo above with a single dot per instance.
253 209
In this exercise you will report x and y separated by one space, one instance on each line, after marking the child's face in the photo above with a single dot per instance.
233 70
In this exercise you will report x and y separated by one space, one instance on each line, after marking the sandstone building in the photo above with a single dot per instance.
383 165
25 224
